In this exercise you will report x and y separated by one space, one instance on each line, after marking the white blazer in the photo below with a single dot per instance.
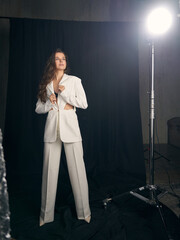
68 122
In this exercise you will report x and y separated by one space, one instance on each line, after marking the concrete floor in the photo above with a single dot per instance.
166 174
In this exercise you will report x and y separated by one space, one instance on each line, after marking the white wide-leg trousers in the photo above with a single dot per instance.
77 173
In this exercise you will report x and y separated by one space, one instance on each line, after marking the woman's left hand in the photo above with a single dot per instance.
61 88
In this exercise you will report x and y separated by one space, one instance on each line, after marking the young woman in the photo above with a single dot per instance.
59 95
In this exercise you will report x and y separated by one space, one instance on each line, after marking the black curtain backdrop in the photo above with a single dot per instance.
105 57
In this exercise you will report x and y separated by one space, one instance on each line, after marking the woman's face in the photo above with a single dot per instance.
60 61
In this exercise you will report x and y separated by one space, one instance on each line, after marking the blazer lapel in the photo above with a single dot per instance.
65 76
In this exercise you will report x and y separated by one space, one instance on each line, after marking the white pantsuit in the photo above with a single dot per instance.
62 127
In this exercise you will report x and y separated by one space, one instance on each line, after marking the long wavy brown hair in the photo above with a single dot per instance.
49 74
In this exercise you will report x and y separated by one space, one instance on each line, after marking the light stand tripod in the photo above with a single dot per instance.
151 189
152 193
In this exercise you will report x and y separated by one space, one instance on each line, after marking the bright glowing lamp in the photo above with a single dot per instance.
159 21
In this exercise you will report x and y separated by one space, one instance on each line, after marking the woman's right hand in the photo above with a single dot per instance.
52 98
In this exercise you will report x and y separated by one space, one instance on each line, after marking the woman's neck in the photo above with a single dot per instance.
59 75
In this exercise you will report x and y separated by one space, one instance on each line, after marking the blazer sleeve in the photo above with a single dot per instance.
42 107
79 99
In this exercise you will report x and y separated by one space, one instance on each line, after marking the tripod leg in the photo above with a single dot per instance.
159 206
162 156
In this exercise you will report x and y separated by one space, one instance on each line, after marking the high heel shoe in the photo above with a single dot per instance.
88 219
41 222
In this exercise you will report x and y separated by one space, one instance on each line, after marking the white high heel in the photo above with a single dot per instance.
88 219
41 223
